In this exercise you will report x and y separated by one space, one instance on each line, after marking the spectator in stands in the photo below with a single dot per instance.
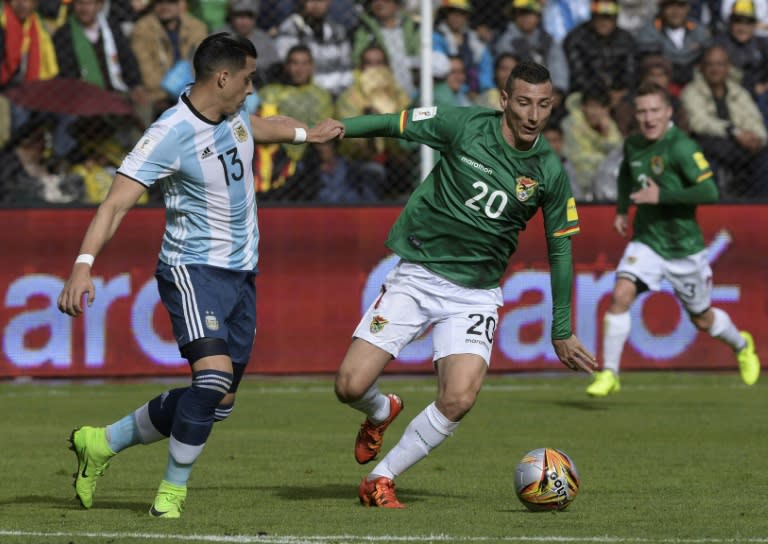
375 91
553 132
164 41
635 14
676 37
589 134
26 48
328 42
502 67
387 24
747 52
296 95
760 13
274 12
486 21
657 69
600 53
449 88
559 17
95 50
524 37
454 38
724 119
324 175
242 17
27 177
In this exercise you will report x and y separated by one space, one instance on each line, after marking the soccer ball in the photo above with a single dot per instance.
546 479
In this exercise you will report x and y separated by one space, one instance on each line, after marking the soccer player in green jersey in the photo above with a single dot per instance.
455 237
664 173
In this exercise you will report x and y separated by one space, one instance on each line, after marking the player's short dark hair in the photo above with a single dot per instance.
528 71
222 50
647 88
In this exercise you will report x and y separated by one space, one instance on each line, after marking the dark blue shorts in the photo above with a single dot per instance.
208 302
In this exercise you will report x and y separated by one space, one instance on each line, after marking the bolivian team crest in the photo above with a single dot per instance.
525 188
377 324
240 133
657 165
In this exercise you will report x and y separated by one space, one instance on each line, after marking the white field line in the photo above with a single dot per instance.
352 539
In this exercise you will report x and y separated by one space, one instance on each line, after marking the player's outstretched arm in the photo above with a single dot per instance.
281 129
574 355
122 196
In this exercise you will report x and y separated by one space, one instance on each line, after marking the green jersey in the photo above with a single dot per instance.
463 221
677 165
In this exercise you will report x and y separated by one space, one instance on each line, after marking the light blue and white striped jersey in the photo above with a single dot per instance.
206 174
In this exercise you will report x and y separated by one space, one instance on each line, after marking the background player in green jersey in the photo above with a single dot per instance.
664 173
455 237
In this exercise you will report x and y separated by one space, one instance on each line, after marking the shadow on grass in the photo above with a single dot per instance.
323 491
586 405
71 503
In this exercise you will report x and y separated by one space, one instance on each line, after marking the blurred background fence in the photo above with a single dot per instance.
80 80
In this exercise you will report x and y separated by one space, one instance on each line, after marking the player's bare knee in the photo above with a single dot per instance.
345 390
456 406
701 321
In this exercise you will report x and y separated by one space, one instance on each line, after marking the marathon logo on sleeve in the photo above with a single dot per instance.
422 114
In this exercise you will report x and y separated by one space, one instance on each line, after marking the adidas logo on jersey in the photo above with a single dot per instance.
206 153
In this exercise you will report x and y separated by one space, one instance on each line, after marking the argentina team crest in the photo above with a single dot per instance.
377 324
241 135
211 323
657 165
525 188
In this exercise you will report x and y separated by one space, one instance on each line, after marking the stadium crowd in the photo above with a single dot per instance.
341 58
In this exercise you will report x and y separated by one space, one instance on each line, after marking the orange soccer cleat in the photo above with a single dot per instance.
379 492
370 435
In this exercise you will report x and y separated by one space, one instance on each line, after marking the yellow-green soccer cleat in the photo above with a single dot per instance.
169 501
605 383
749 364
93 453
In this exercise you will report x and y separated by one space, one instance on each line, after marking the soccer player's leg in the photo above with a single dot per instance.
639 270
462 347
693 285
356 385
95 446
201 318
389 324
211 381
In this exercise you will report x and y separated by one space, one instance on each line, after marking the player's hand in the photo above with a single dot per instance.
647 195
620 224
574 355
324 131
79 283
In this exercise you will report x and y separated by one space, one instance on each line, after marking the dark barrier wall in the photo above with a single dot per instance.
319 268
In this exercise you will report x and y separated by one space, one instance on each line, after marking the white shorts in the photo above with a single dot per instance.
412 299
691 276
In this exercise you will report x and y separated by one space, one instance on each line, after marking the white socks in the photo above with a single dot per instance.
724 330
373 404
615 333
424 433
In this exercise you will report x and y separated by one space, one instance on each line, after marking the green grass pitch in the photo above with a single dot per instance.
674 458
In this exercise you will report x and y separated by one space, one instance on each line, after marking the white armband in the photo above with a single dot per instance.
85 258
300 136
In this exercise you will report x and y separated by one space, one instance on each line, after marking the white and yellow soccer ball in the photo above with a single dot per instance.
546 479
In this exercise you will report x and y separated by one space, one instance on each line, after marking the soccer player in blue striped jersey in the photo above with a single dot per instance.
200 152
